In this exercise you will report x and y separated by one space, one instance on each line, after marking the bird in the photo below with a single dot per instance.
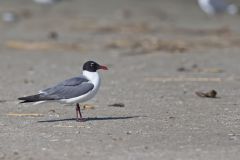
46 2
74 90
213 7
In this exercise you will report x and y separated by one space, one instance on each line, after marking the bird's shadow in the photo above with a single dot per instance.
90 119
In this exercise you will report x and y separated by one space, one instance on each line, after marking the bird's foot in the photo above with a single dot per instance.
81 119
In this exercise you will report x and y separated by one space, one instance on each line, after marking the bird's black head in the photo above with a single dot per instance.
92 66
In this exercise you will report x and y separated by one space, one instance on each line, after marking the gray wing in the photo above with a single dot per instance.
69 88
69 82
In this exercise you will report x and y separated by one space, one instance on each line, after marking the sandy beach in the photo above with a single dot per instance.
159 53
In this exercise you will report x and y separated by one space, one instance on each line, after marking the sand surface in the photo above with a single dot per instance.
160 52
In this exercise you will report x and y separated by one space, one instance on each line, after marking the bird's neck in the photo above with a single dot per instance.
92 76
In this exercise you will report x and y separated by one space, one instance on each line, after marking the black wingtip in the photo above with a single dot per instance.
24 102
33 98
21 98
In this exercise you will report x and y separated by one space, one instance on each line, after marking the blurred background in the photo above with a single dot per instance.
132 26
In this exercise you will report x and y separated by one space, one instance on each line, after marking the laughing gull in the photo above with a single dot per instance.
71 91
212 7
46 2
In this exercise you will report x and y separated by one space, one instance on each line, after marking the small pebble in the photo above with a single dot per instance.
3 101
182 69
116 105
88 106
210 94
15 153
52 110
53 35
171 117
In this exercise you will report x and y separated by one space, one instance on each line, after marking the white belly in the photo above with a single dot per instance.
82 98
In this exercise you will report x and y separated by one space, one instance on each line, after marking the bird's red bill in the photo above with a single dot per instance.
104 67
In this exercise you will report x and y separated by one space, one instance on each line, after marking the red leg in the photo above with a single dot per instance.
78 112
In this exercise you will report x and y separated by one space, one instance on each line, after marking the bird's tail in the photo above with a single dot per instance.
32 98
